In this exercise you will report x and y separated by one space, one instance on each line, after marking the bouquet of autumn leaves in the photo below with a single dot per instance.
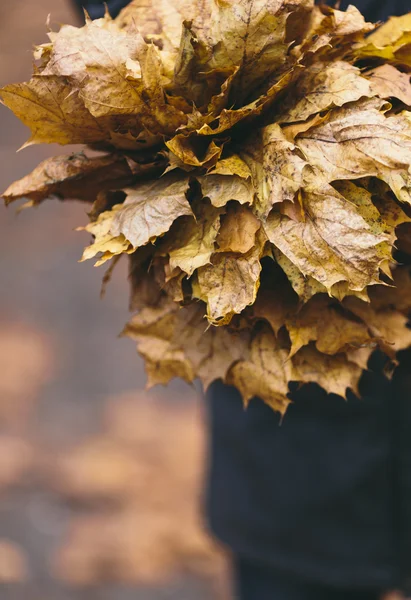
252 158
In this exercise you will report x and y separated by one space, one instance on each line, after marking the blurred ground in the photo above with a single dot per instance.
99 484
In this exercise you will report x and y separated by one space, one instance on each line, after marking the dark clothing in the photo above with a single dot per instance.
324 495
378 10
256 582
96 8
373 10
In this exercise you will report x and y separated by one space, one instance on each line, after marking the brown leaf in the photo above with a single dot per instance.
193 239
230 283
211 350
387 82
277 169
144 289
265 374
153 330
322 321
335 374
76 177
389 326
238 229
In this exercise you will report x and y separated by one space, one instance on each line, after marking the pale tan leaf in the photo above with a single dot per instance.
150 209
158 19
116 73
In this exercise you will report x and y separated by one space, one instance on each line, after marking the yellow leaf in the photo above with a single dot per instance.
105 242
185 148
53 111
390 42
232 165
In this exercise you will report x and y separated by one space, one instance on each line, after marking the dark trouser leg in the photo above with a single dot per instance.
256 582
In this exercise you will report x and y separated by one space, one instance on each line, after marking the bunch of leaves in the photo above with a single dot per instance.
252 157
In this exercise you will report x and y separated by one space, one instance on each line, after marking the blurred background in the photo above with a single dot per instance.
100 483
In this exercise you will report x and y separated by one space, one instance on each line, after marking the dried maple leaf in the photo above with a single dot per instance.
391 42
193 239
277 169
230 283
335 374
333 244
360 141
388 82
254 172
323 86
266 373
322 321
238 229
53 113
77 177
